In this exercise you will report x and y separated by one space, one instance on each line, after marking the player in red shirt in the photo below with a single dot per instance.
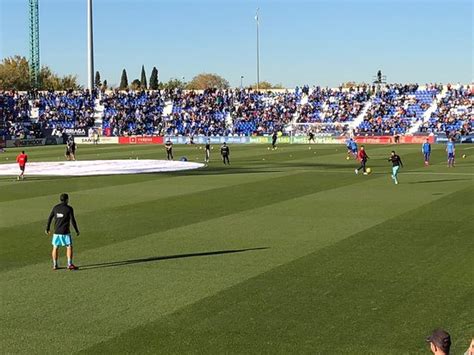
362 156
21 159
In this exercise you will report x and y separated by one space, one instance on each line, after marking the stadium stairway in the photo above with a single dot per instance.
360 117
427 114
304 100
98 114
167 110
229 123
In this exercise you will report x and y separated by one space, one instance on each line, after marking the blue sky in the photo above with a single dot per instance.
316 42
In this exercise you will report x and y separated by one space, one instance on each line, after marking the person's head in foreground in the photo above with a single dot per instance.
64 198
440 342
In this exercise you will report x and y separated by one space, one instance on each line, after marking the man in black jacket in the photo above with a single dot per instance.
63 215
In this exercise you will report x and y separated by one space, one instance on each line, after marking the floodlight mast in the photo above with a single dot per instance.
90 47
34 60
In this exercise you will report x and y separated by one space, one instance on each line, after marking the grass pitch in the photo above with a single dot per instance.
284 251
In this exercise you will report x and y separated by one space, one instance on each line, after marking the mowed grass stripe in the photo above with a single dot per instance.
380 291
153 275
133 220
120 191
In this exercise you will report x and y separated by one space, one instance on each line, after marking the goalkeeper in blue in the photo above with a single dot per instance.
396 164
426 150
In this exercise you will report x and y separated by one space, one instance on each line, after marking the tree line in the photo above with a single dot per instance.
14 75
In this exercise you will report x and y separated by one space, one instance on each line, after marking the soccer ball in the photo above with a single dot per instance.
368 170
463 156
347 158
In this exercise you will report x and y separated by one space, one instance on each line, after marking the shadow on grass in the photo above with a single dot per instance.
165 257
434 181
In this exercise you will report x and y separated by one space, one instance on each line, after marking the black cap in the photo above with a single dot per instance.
441 339
64 197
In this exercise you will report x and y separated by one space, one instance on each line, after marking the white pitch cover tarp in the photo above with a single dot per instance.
99 167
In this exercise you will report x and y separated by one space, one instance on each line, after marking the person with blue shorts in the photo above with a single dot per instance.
354 148
351 148
396 164
451 150
426 150
63 216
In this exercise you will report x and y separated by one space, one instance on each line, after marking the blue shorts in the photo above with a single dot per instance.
427 156
61 240
450 155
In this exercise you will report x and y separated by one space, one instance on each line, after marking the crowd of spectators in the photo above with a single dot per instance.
393 110
254 113
333 105
69 109
15 114
455 113
132 113
199 113
396 108
26 115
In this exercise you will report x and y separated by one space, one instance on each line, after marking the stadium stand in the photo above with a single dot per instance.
454 114
390 111
395 108
333 105
196 113
256 113
133 113
65 109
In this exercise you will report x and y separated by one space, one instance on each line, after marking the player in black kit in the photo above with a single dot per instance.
208 150
63 215
70 149
169 150
225 152
274 139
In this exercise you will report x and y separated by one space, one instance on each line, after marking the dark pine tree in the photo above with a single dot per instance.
123 80
143 79
143 83
97 82
154 79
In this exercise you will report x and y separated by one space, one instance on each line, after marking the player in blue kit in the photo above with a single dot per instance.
351 148
426 150
451 150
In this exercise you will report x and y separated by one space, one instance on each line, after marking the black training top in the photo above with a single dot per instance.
396 161
63 215
225 150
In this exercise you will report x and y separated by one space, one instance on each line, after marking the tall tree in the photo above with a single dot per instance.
207 81
97 82
14 74
105 85
154 79
265 85
172 84
123 80
135 85
143 79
